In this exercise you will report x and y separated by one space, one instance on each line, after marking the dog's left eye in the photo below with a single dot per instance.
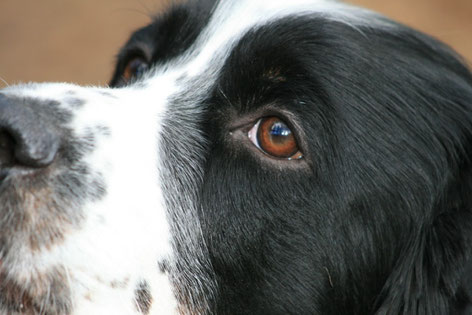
135 68
273 136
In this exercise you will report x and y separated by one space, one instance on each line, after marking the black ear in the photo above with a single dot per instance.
433 274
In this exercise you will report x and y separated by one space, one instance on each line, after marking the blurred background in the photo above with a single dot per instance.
77 40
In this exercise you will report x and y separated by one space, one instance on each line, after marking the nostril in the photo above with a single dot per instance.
7 158
6 149
26 139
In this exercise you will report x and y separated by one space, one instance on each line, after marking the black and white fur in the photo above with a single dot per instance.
148 197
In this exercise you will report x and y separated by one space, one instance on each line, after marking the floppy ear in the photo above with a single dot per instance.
432 276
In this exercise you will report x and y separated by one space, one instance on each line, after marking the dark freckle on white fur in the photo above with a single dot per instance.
119 283
103 130
75 102
143 297
106 94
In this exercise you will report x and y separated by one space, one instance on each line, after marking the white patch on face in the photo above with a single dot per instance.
125 234
232 19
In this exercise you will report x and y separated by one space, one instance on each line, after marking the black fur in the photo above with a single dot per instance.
376 219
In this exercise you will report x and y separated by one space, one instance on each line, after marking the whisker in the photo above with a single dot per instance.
4 82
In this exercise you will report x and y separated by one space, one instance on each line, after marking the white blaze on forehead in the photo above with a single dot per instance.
232 19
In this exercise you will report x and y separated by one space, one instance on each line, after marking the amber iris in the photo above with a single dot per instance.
276 138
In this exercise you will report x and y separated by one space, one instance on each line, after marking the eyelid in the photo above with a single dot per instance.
137 49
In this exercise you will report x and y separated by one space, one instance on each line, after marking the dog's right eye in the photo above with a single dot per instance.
275 138
135 67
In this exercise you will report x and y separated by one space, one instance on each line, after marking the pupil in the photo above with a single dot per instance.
137 67
279 129
140 68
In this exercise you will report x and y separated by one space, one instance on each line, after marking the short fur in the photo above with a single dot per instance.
181 213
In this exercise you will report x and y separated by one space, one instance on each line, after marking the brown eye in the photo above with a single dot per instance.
136 67
274 137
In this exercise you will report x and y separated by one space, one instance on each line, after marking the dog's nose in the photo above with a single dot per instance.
25 139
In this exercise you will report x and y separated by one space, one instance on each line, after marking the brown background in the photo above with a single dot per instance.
76 40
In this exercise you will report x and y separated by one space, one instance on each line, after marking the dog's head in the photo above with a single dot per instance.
250 157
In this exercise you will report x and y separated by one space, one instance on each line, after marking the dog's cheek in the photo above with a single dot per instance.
126 234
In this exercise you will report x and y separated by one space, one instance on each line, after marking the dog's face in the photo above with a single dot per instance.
250 157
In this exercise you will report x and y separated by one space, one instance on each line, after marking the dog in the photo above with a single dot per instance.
248 157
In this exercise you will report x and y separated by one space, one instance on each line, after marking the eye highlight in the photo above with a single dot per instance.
273 136
135 67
